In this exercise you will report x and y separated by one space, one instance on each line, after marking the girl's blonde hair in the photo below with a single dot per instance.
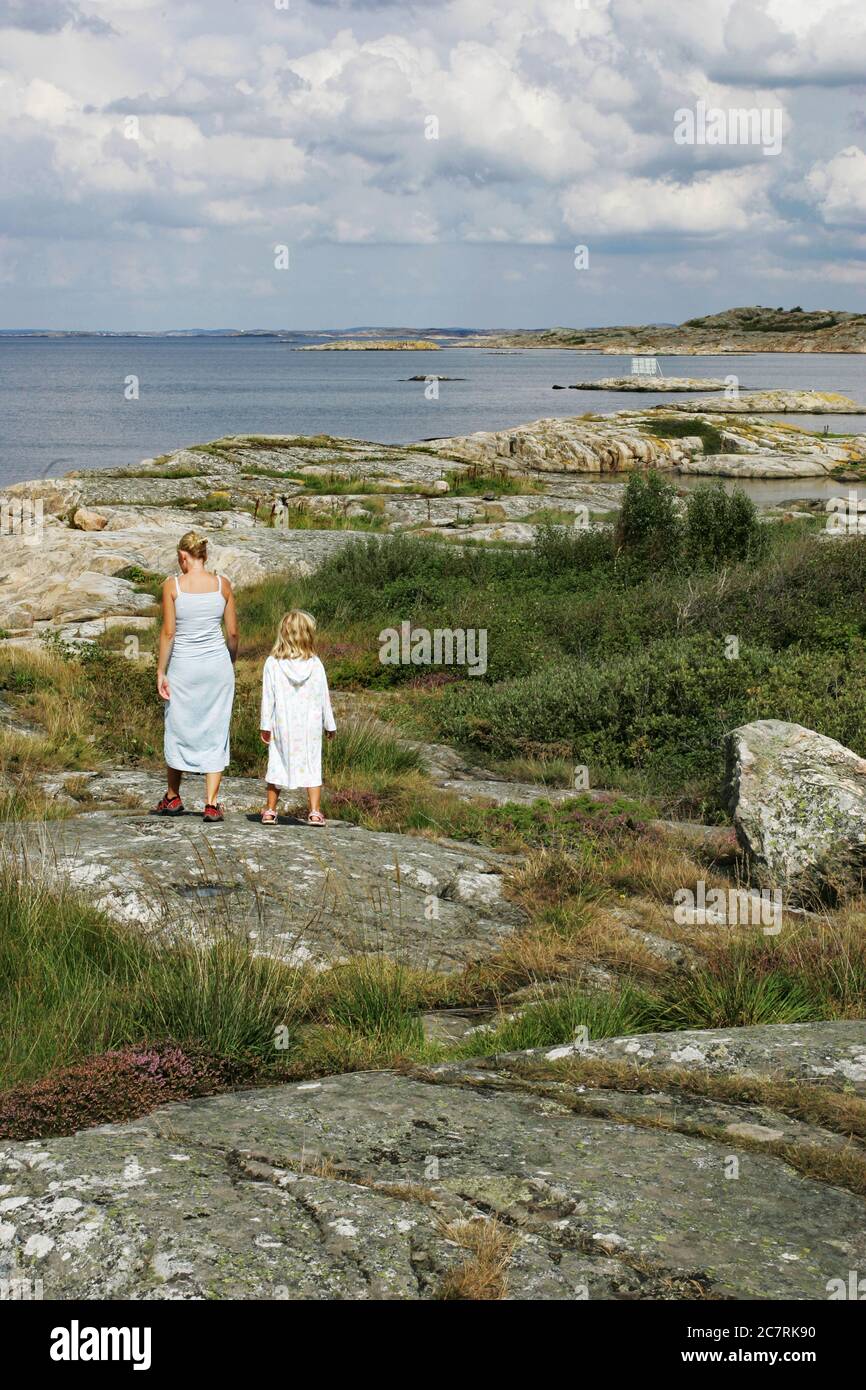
194 544
296 635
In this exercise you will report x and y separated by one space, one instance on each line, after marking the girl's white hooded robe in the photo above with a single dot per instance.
296 708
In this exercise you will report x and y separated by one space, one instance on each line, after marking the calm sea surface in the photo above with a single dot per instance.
62 403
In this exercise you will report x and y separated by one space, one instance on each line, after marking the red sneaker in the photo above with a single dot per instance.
169 806
213 813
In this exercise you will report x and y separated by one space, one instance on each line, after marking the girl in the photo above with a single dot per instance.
195 674
296 707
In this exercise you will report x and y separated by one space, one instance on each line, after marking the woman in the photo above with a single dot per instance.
195 675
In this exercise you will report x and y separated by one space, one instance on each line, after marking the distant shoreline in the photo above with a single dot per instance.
749 330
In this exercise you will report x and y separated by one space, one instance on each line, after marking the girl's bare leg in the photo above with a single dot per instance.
273 796
172 780
314 797
212 787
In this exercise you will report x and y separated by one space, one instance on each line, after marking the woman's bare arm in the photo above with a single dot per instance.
166 637
230 618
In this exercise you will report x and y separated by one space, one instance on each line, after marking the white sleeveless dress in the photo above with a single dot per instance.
201 679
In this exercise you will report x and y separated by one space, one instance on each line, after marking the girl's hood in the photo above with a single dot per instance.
297 669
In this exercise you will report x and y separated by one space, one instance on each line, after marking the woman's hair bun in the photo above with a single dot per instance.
194 545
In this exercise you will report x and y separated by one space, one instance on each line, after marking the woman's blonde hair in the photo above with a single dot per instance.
193 544
296 635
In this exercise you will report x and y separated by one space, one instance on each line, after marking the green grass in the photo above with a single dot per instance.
375 1001
73 984
735 996
292 441
217 448
548 772
362 747
558 1020
145 581
24 802
558 516
336 484
689 427
213 502
476 482
177 470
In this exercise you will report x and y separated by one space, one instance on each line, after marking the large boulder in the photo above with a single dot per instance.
797 798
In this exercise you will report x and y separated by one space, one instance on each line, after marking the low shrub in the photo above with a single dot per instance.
116 1086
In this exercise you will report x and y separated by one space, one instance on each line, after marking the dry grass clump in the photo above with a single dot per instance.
482 1277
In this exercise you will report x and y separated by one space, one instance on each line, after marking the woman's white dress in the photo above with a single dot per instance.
201 679
296 708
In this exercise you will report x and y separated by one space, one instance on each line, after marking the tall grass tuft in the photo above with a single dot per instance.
558 1020
73 983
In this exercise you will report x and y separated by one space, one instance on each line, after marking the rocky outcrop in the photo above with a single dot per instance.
757 466
630 440
371 1186
85 519
797 799
826 1054
602 445
306 894
781 402
77 576
750 329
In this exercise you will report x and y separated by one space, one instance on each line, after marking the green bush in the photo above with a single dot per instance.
664 708
721 527
649 526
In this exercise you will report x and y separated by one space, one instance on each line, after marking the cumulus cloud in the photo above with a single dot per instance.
711 205
839 187
370 124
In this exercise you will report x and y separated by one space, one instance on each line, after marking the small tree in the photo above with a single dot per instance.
649 527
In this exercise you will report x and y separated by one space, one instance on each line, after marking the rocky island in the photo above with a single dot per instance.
371 345
751 329
650 383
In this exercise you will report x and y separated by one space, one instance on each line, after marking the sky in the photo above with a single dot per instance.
491 163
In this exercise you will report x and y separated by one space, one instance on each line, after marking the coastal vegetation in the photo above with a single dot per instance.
609 649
